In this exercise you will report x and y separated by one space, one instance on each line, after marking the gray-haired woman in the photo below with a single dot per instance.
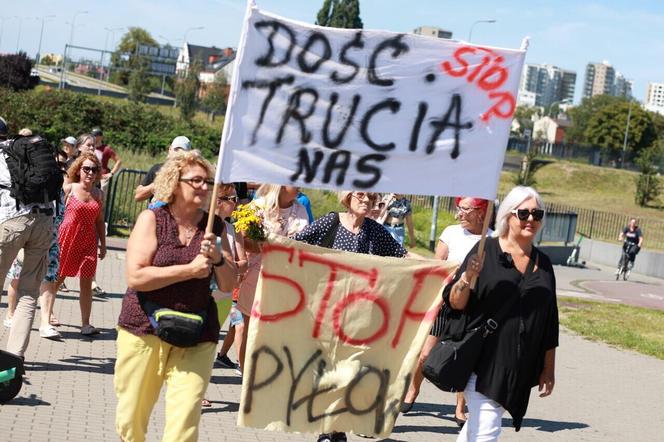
517 288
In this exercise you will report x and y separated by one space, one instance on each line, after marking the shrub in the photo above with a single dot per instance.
15 72
134 126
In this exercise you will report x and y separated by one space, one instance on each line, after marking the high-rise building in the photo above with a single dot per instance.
432 31
548 84
600 79
655 98
622 86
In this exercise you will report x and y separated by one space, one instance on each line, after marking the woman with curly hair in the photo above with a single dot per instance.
81 230
170 260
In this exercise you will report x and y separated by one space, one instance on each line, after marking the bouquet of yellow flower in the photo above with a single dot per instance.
249 220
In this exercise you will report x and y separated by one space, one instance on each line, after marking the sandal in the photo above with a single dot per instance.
205 403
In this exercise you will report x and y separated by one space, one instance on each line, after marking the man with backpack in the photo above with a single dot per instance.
30 181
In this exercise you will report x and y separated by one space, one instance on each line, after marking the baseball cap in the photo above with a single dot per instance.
3 127
96 132
181 142
69 140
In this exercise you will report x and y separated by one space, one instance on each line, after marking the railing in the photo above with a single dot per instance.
121 208
590 223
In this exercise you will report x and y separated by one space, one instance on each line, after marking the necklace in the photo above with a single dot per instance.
189 230
189 233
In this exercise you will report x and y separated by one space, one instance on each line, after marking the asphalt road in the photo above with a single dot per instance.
599 283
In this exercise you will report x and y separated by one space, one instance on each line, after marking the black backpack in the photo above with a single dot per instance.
35 174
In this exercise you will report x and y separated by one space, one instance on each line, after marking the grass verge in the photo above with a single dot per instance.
633 328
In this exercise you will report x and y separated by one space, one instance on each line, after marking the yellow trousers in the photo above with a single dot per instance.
142 366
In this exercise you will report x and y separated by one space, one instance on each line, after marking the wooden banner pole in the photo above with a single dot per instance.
485 228
213 207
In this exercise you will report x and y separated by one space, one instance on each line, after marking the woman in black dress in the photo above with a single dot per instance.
517 288
351 231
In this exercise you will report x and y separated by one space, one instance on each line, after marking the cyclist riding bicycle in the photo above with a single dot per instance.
633 238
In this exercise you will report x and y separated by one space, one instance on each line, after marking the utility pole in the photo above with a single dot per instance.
41 35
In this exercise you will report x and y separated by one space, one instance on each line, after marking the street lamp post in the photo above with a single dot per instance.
2 29
41 35
470 33
197 28
73 25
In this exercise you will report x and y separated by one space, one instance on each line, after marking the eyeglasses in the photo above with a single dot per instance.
523 214
465 210
232 198
361 195
197 181
88 169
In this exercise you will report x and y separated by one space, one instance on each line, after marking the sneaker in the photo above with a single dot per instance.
98 291
88 330
7 322
238 370
225 361
49 332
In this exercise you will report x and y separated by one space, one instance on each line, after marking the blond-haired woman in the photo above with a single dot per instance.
170 261
81 230
516 287
282 215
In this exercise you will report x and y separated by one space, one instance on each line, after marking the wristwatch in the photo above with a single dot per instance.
219 263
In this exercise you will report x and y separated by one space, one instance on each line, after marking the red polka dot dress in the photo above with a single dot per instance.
78 238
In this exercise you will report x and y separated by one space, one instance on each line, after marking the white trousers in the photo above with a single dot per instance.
484 416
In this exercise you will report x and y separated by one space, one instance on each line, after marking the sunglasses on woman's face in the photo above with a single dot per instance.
88 169
523 214
361 195
232 198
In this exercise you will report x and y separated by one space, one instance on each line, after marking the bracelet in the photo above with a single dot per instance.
219 263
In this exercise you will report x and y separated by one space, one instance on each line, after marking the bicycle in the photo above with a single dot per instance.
626 260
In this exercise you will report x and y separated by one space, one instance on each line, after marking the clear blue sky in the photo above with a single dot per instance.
569 34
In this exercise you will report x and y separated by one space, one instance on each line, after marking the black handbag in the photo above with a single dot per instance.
452 361
11 376
178 328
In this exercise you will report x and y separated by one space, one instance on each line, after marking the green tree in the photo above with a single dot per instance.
15 70
215 97
523 115
126 57
340 14
582 114
47 60
139 84
606 128
648 185
186 91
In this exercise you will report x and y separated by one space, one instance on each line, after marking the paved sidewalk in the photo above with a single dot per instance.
602 394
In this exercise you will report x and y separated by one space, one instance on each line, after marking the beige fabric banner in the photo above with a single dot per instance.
334 338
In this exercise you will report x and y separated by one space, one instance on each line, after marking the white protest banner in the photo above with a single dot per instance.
360 109
334 337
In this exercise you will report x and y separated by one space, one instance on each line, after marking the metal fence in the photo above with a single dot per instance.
590 223
121 209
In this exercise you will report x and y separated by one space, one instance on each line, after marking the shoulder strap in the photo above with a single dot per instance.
331 234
